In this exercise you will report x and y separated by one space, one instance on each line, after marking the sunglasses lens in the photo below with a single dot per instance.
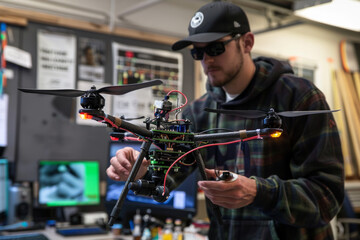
215 49
197 53
212 50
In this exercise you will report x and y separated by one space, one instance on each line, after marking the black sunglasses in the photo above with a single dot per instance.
213 49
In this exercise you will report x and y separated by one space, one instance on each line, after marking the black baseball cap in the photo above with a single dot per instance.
213 21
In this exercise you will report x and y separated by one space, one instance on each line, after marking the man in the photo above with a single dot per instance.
286 188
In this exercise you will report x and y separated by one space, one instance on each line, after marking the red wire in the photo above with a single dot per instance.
129 138
182 95
133 139
204 146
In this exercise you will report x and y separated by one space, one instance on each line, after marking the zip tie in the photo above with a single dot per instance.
258 134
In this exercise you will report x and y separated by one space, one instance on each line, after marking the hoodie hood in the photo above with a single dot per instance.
268 71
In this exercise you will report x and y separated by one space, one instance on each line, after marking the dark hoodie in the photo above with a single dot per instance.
299 176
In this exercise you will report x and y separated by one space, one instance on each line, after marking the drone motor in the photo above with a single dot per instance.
272 120
92 100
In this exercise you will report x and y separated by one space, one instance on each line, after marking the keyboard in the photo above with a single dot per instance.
80 231
27 227
25 236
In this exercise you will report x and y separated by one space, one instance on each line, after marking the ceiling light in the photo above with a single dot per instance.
339 13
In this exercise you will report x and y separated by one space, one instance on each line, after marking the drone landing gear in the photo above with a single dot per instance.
117 208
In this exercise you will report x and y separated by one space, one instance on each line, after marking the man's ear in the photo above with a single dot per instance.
248 42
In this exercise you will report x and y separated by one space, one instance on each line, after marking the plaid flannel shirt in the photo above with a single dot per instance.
299 176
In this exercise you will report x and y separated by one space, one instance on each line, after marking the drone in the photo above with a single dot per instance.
174 143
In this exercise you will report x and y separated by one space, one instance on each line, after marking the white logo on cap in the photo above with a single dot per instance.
236 24
197 20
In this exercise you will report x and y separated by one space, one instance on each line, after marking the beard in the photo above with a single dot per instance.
224 75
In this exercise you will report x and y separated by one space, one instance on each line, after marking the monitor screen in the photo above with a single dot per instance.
68 183
4 183
181 203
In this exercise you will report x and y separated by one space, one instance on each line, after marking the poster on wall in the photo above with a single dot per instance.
136 64
91 59
56 60
4 106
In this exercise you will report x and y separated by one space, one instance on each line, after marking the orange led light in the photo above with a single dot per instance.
275 134
85 116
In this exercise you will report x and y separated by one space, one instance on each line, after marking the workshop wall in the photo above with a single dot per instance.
43 127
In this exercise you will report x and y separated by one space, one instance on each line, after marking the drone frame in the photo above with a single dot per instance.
93 103
117 123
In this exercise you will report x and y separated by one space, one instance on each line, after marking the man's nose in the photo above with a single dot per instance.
207 58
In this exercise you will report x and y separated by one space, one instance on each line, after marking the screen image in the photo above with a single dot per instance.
181 203
68 183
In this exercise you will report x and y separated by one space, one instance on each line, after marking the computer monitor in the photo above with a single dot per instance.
4 188
68 183
181 204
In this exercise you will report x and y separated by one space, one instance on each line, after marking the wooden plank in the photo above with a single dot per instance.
20 21
200 82
146 36
356 76
30 15
340 119
351 111
84 25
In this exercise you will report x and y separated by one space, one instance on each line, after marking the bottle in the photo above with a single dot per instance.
178 233
152 223
167 233
137 226
190 232
116 229
155 232
146 233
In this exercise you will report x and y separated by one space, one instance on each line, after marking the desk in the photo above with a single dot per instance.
50 232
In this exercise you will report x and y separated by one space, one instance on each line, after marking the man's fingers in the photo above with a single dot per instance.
110 171
210 173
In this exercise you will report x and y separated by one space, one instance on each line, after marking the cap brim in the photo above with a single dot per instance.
197 38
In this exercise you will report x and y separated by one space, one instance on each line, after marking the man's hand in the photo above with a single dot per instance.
229 194
122 164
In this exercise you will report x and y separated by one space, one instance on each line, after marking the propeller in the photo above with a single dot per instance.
271 118
113 90
259 113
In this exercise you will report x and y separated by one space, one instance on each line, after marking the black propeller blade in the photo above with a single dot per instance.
303 113
58 92
119 90
259 113
245 113
113 90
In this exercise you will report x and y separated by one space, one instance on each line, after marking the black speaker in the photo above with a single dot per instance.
20 205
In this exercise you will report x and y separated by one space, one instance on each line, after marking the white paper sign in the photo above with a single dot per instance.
56 60
4 105
17 56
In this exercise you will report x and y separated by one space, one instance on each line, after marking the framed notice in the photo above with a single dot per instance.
135 65
56 60
91 59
